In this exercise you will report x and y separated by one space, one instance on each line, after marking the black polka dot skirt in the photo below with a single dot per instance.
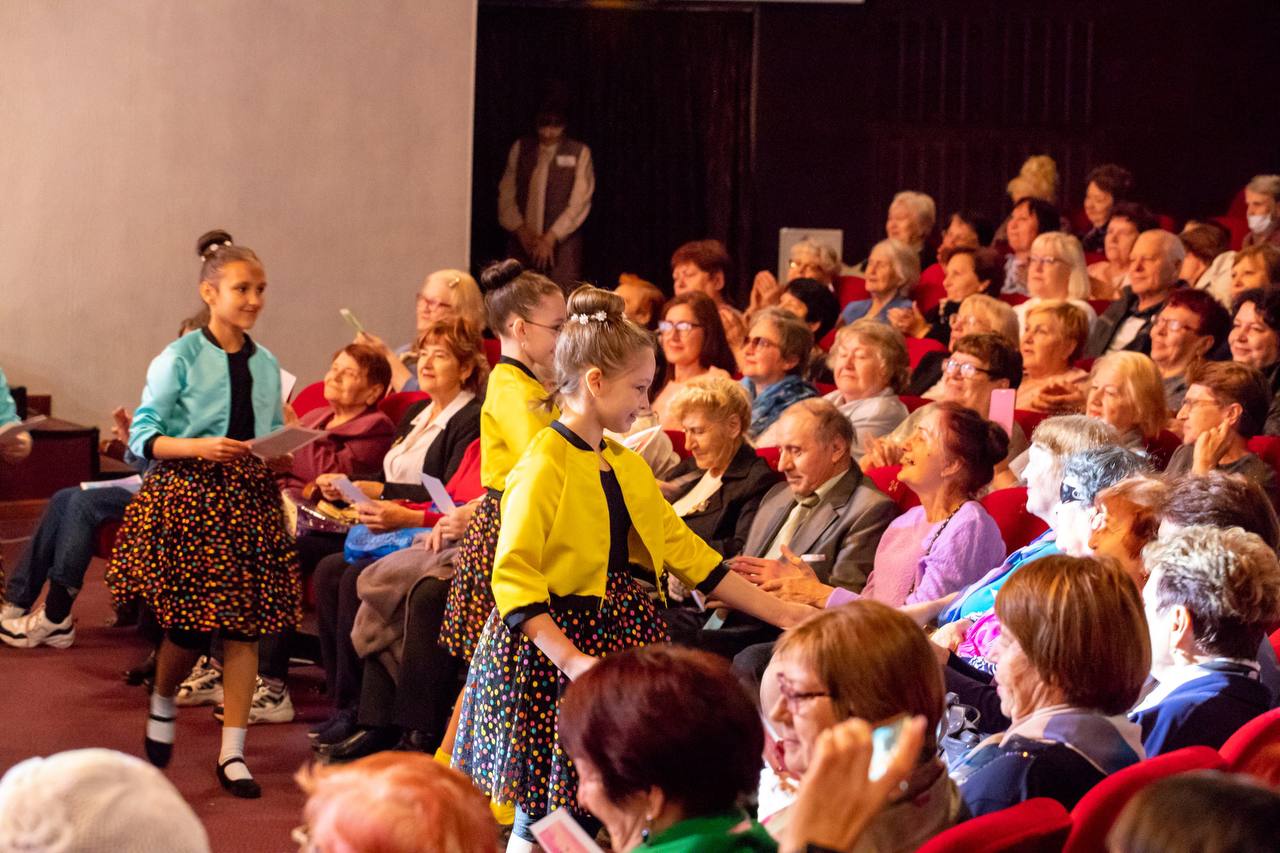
471 592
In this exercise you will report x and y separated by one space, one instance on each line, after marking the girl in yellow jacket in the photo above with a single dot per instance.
579 514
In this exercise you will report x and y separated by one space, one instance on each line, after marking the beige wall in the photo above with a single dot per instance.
332 136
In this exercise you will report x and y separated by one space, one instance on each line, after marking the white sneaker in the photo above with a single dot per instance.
202 687
27 632
270 705
11 611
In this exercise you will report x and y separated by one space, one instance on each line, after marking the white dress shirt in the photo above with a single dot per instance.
575 212
403 462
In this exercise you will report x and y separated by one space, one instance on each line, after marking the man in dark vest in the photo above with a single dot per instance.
545 196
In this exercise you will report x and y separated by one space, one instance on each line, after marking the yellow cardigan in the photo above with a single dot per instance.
509 419
554 539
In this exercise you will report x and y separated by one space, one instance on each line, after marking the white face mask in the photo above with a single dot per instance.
1258 224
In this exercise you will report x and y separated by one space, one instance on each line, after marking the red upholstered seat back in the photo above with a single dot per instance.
770 455
886 480
1097 810
1255 747
912 402
309 398
1008 507
850 288
395 405
677 442
492 350
917 348
1034 826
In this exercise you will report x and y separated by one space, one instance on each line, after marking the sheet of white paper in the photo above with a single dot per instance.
637 440
350 493
287 381
284 440
131 484
9 432
558 832
438 493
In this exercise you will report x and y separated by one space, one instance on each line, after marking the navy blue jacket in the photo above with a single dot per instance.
1202 712
1023 768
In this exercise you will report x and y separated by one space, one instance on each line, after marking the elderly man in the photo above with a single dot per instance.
1190 326
1153 274
1261 209
826 516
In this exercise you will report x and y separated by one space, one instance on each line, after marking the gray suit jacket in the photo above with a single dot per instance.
845 528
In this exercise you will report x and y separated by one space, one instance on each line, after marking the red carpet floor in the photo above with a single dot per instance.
53 700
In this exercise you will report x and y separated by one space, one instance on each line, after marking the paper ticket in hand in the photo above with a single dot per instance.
558 832
438 493
350 493
10 432
283 441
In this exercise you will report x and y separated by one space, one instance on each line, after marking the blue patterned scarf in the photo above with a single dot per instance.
769 404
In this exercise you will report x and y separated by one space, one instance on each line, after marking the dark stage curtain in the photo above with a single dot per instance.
663 98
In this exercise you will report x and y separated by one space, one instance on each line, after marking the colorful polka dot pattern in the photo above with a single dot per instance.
507 738
471 593
204 544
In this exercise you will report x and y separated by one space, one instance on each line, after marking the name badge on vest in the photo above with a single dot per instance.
566 160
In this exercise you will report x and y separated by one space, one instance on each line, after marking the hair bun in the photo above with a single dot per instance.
211 241
588 301
499 274
997 443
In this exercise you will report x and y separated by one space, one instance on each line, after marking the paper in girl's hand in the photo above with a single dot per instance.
10 432
558 832
350 493
287 381
439 494
284 441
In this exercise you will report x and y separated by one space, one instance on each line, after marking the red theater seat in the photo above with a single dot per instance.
1267 448
1008 507
1028 420
492 350
886 480
850 288
770 455
1014 298
396 404
104 538
917 348
1034 826
309 398
1255 748
677 442
1099 305
929 292
913 402
1097 810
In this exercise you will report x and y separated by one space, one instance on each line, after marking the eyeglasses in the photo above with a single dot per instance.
1042 260
1165 324
757 342
965 369
681 328
797 700
555 330
433 304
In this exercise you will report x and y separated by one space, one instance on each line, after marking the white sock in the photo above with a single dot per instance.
165 707
516 844
233 747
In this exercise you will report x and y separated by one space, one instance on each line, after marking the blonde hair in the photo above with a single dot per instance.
1067 435
1038 178
1069 250
1074 322
397 802
888 343
718 396
469 302
999 315
1143 386
598 334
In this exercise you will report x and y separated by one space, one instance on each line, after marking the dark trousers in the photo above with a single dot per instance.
336 606
273 649
62 547
421 698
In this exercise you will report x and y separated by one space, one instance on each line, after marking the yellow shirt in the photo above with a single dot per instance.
511 416
554 539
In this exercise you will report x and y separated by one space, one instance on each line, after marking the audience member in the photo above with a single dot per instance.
1110 276
773 362
643 299
1056 272
977 314
1219 499
1257 267
1030 218
967 229
1064 684
892 271
1210 598
1190 326
445 295
667 747
1261 210
869 364
1037 178
703 265
968 272
1255 334
1153 274
1197 812
909 223
1208 246
693 345
816 304
90 800
1105 185
1126 516
393 802
807 259
1126 391
864 661
1074 515
1053 337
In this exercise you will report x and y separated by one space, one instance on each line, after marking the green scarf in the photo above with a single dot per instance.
729 832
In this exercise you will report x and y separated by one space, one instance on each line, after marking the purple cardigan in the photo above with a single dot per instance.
903 573
356 448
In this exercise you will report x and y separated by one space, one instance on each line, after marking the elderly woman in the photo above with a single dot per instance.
1030 218
811 301
718 488
1126 517
1056 272
808 259
693 345
1255 333
967 229
1104 186
774 357
869 365
947 542
1127 391
969 272
1191 325
1064 684
1257 267
910 222
893 269
1211 597
978 314
444 296
1208 247
1110 275
1053 336
667 747
1074 514
864 661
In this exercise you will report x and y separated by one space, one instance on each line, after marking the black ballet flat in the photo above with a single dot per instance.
247 789
158 752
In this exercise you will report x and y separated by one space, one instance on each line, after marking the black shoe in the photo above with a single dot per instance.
158 752
247 789
337 728
416 740
363 742
143 673
125 616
